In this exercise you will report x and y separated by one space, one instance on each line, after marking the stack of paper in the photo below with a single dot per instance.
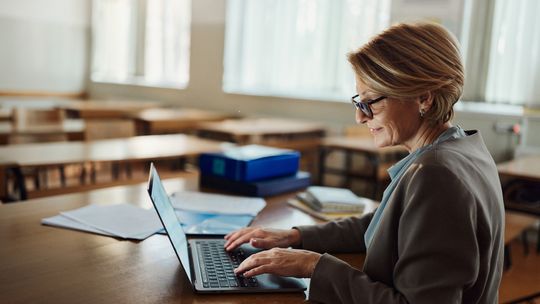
206 213
123 220
199 213
330 199
217 203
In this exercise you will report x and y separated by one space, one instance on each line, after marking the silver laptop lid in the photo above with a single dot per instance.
168 218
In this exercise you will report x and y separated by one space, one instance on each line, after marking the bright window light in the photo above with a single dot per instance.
514 63
297 48
142 42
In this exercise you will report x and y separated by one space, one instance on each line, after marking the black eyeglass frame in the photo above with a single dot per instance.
364 106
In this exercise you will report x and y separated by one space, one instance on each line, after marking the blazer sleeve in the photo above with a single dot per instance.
343 236
438 253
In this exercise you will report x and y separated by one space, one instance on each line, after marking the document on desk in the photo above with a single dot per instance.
199 213
217 203
121 220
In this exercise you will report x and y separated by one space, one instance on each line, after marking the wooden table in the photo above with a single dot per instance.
116 151
70 129
261 130
139 148
46 264
105 109
516 175
364 146
5 114
166 121
524 168
282 133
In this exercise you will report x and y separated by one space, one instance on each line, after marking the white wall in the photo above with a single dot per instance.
44 45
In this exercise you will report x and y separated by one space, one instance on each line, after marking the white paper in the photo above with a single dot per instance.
217 203
64 222
123 220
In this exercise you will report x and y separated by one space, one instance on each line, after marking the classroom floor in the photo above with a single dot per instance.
523 278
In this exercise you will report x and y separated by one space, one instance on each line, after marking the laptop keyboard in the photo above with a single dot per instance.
217 266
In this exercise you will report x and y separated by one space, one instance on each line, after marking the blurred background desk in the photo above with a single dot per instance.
117 153
170 120
373 170
521 184
282 133
104 109
42 132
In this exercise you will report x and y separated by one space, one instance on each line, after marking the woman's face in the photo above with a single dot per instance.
394 122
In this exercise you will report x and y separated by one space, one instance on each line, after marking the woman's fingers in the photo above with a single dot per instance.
285 262
237 238
253 261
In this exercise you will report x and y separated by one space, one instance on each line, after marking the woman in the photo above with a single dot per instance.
437 236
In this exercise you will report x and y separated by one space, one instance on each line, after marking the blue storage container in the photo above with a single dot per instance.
250 163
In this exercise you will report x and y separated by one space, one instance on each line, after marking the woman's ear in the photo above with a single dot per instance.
426 101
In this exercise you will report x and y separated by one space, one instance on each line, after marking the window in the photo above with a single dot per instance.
297 48
513 72
141 42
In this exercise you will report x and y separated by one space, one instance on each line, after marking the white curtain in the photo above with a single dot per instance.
514 63
297 47
141 41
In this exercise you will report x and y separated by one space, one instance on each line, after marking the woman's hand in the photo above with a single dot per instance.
280 261
262 238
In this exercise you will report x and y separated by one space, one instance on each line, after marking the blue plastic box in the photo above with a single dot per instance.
250 163
263 188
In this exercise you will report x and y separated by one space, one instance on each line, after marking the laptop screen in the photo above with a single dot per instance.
166 213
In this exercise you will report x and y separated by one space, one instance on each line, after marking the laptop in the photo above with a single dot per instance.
205 262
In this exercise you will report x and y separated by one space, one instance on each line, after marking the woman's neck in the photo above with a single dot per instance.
426 135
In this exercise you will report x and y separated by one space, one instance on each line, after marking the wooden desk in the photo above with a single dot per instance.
104 109
70 129
166 121
516 225
514 175
115 151
139 148
5 114
351 145
523 168
282 133
261 130
46 264
518 173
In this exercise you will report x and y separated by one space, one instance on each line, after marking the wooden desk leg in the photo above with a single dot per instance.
62 171
19 182
93 173
348 169
115 171
507 257
322 157
129 170
525 242
538 242
374 160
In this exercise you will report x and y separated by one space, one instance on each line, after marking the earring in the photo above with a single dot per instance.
422 112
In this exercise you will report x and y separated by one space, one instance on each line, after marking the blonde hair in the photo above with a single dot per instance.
411 60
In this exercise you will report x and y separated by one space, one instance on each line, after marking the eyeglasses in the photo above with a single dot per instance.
364 106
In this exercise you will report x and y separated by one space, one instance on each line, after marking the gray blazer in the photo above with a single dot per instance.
440 239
